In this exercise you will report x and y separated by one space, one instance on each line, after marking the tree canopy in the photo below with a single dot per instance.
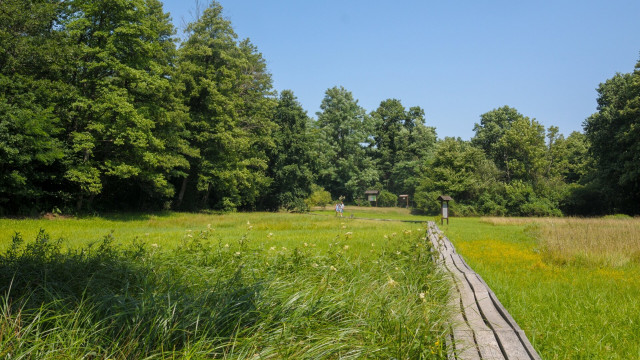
102 108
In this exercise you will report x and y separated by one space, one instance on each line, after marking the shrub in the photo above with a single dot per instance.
387 198
319 197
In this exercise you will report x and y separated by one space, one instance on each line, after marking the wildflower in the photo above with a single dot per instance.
348 233
397 252
305 244
392 282
372 244
421 296
154 245
284 248
333 268
188 230
314 265
226 245
344 226
407 232
386 236
237 253
248 223
272 248
250 227
189 235
146 234
346 247
269 235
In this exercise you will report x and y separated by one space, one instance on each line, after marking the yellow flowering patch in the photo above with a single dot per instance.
497 252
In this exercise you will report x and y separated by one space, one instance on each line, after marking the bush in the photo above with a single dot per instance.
387 198
319 197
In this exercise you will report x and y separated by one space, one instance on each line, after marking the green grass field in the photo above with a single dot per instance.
576 306
233 286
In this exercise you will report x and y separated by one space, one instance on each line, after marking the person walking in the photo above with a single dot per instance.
341 208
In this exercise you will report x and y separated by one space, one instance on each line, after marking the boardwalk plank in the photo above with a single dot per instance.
482 328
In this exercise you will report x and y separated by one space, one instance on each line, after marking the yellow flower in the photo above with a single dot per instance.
421 296
392 282
333 268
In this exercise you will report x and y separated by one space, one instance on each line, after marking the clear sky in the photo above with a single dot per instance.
455 59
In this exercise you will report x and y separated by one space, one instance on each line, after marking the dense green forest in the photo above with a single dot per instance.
103 108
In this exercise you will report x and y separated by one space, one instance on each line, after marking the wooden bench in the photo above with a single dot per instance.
481 327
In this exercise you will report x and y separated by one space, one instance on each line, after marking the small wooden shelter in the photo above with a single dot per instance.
405 199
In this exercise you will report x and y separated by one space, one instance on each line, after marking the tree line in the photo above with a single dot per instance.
102 108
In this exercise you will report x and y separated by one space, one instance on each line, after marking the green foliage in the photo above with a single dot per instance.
402 142
386 198
344 127
290 161
614 135
318 197
228 91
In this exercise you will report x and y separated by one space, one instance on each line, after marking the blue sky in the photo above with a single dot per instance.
455 59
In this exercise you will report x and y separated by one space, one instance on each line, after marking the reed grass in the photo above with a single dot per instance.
240 286
610 242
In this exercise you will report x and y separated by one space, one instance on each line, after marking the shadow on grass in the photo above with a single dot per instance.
132 216
132 301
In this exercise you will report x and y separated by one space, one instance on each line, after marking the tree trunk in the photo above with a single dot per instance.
183 188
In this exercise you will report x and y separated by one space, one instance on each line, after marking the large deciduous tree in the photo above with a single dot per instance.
290 161
344 167
229 94
34 93
514 142
126 125
402 143
614 134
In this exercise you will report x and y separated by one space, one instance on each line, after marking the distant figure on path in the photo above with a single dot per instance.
341 208
337 209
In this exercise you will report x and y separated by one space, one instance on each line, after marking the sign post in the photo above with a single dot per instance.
444 205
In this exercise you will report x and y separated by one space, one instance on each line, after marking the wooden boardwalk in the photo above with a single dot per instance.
481 327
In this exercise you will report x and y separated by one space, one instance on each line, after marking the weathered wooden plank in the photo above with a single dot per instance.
488 345
482 319
465 345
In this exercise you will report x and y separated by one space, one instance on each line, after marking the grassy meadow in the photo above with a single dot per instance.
231 286
573 285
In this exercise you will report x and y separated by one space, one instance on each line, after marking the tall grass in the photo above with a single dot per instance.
212 297
610 242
